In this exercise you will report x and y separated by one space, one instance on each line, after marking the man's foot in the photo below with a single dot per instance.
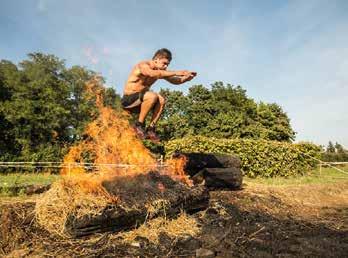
151 134
139 129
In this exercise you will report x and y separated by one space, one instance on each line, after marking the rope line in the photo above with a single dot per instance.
73 164
55 164
327 163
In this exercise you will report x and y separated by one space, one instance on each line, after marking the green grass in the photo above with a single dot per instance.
20 179
327 175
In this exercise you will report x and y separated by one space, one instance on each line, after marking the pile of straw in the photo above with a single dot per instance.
70 198
110 140
67 198
183 225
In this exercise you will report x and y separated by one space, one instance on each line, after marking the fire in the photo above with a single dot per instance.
111 148
175 169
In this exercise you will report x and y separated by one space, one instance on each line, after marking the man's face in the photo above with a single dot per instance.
161 63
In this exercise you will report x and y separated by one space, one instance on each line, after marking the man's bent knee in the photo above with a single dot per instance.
161 100
151 96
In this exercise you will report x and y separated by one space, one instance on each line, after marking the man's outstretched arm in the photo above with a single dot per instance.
159 74
181 79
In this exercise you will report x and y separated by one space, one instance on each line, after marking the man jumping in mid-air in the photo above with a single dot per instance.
138 98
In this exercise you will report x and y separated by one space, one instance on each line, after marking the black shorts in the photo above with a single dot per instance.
132 100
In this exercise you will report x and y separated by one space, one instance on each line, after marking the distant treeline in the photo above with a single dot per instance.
335 153
44 109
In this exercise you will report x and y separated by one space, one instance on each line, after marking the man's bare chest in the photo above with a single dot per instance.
147 81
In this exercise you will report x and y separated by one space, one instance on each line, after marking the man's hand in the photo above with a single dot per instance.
181 77
189 76
182 73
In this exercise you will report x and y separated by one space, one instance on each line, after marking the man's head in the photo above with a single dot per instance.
162 58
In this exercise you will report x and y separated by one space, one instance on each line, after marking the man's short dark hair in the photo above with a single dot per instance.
163 52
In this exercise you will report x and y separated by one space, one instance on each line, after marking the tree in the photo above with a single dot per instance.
339 148
112 99
224 111
275 123
174 123
43 107
38 106
330 148
80 108
9 77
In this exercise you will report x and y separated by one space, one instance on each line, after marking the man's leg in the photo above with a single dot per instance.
150 100
158 109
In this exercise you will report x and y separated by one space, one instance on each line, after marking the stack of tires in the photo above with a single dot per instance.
216 171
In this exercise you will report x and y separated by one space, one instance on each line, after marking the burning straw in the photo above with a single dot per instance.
109 140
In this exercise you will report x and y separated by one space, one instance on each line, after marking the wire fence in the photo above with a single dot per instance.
56 166
328 164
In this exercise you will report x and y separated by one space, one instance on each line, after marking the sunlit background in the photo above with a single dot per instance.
294 53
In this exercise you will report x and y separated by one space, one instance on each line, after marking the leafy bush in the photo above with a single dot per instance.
260 158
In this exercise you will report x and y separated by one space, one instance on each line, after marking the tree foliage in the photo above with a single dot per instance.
330 148
224 111
42 107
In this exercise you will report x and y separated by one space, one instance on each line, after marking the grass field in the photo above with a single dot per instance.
325 176
11 184
22 179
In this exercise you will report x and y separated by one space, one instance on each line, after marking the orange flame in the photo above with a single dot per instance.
112 148
176 169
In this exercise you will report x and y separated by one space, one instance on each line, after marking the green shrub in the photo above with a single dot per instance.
260 158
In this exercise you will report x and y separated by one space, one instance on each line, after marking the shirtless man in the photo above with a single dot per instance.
137 96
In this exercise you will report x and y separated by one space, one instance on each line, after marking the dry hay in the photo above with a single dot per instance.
183 225
68 201
64 199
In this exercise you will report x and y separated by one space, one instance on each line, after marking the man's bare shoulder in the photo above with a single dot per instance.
137 67
143 63
136 70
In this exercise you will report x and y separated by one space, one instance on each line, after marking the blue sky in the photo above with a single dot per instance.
294 53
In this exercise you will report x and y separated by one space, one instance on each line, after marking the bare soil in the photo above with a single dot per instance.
257 221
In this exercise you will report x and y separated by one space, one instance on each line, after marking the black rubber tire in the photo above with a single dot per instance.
220 178
198 161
